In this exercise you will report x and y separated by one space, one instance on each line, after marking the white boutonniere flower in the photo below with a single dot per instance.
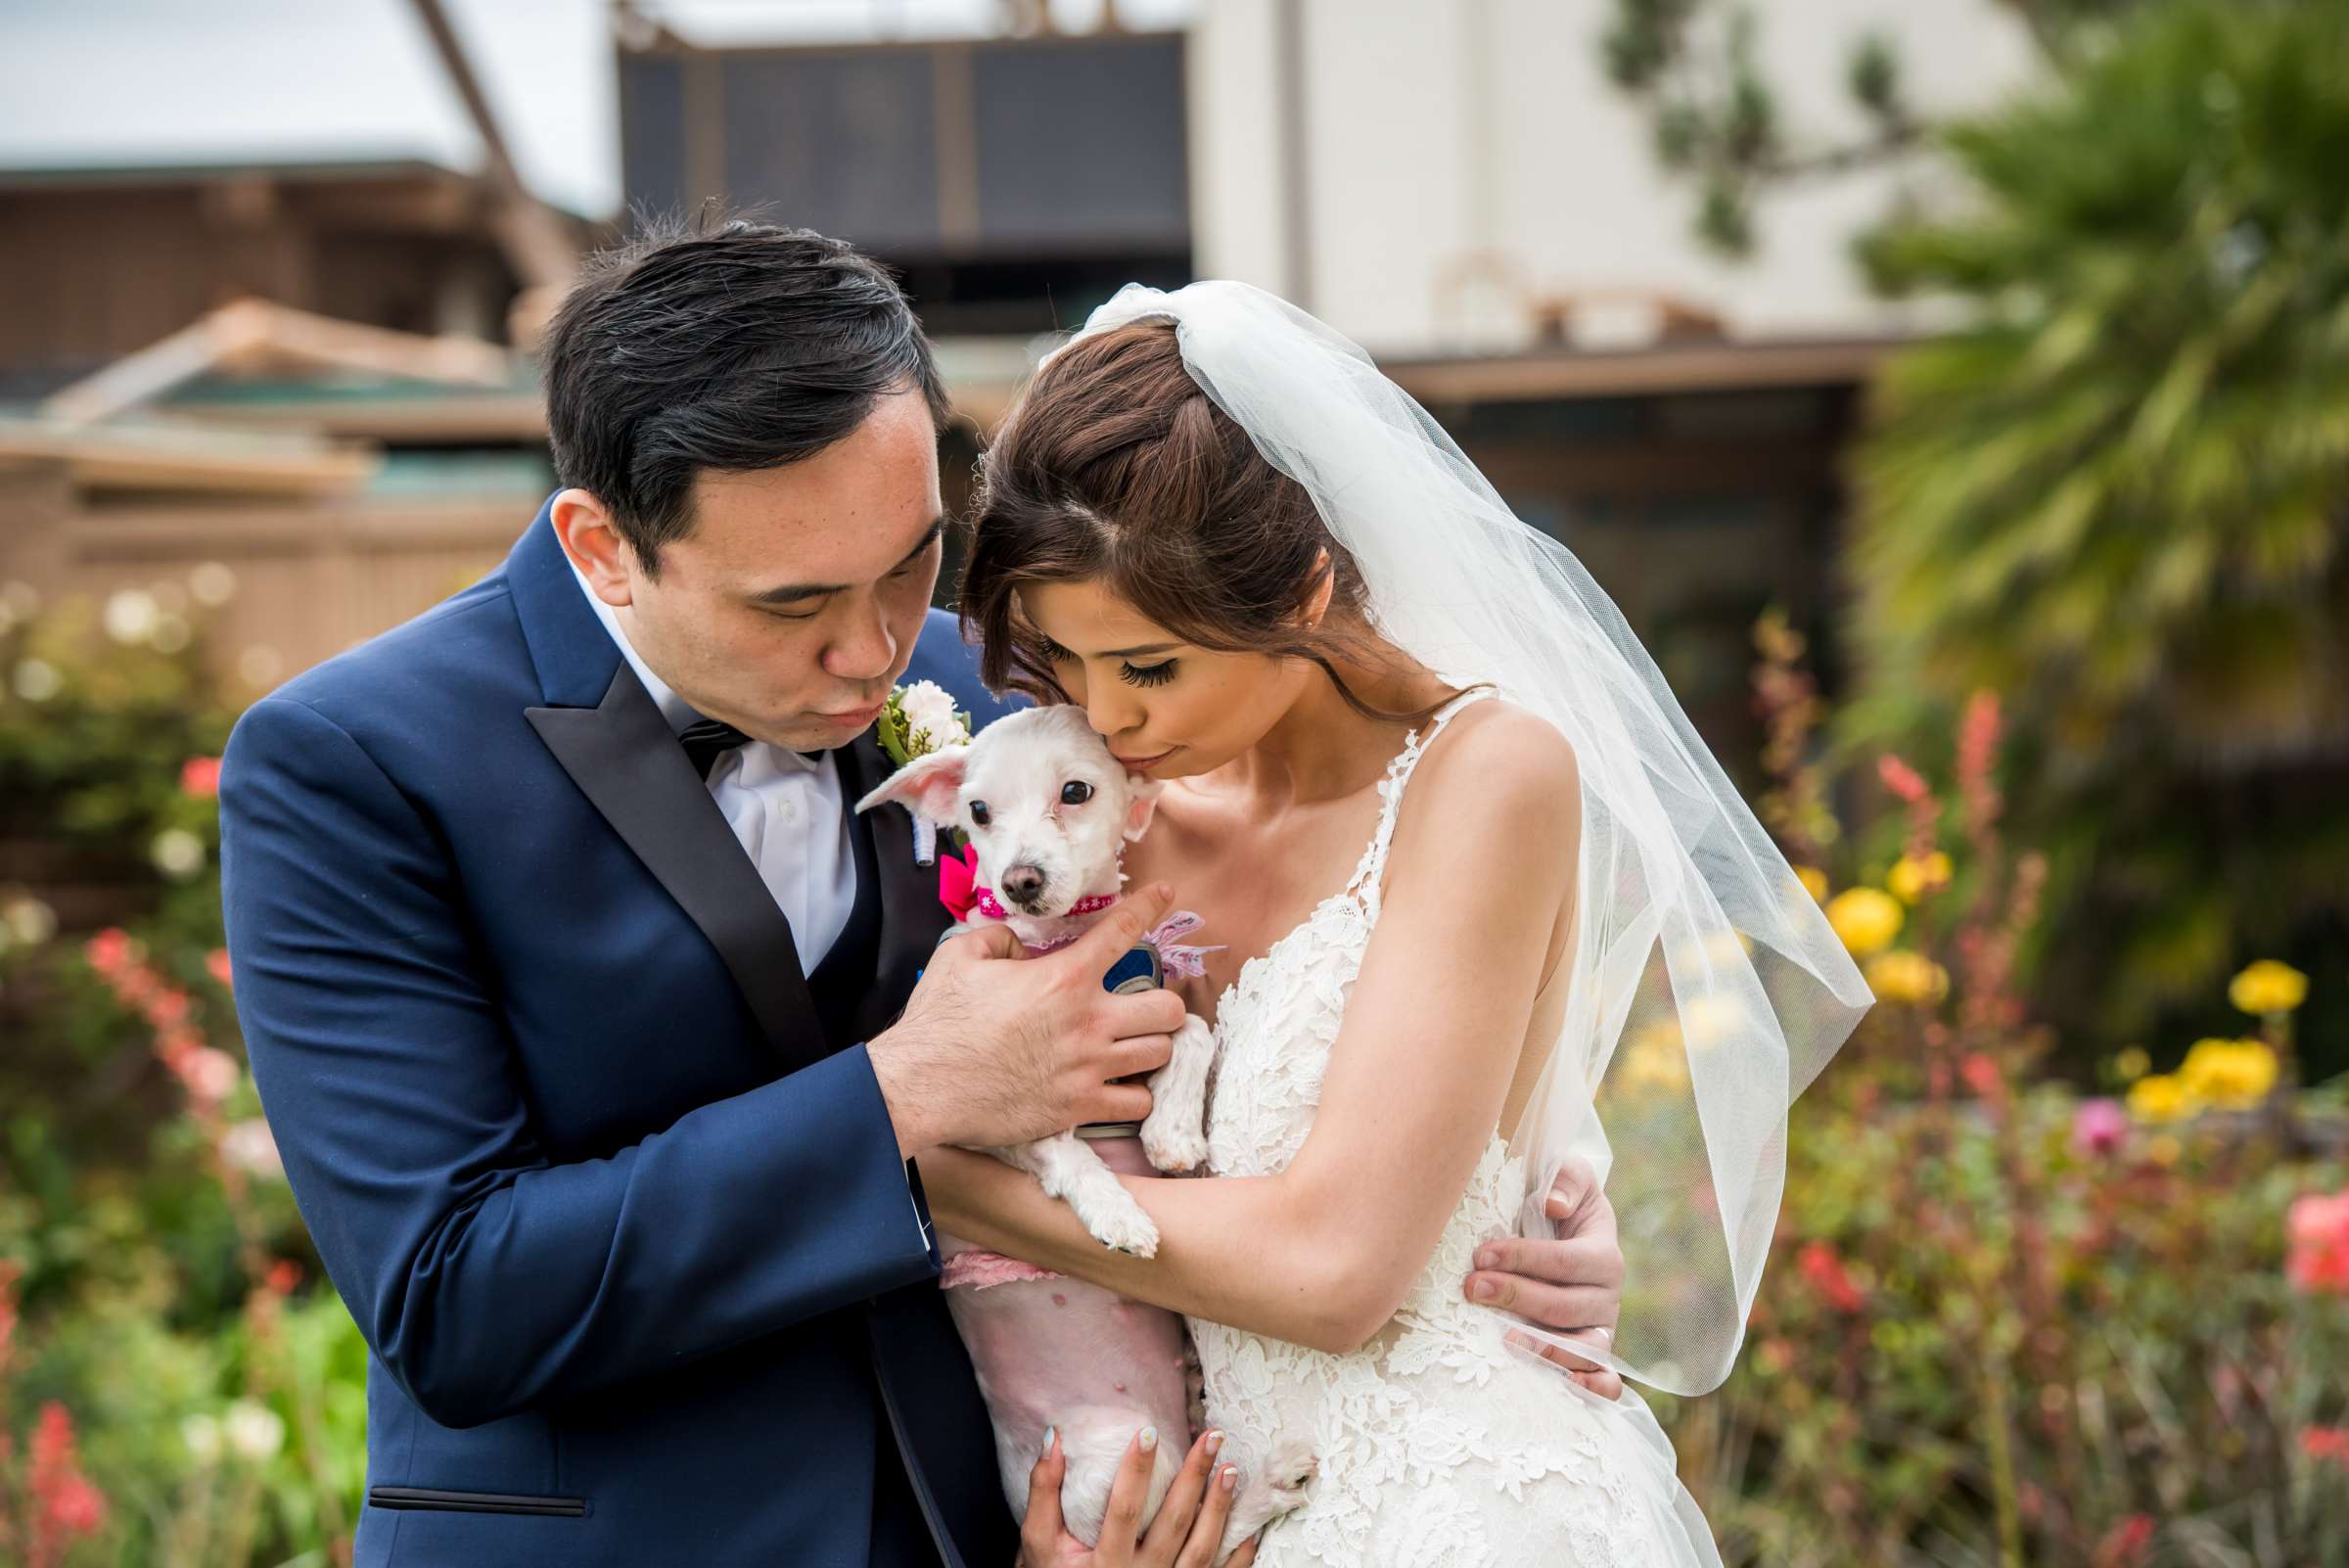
916 721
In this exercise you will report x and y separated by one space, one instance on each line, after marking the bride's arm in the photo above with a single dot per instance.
1323 1253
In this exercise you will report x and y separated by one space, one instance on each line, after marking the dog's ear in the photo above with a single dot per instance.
1141 804
926 786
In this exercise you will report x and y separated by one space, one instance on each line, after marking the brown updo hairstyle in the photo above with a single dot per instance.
1114 465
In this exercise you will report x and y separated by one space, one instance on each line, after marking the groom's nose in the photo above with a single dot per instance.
864 649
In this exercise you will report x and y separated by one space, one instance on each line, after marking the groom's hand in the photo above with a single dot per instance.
1572 1284
996 1048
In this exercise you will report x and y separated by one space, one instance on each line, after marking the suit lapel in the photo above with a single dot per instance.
625 760
911 917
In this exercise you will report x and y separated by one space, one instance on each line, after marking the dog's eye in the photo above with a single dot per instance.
1076 793
978 813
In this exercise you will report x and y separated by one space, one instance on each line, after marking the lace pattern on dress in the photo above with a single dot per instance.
1435 1444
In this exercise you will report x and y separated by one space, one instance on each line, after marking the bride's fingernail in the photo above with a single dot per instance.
1230 1477
1149 1438
1485 1258
1050 1432
1214 1444
1484 1290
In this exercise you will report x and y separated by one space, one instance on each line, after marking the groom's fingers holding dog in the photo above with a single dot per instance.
997 1049
1126 922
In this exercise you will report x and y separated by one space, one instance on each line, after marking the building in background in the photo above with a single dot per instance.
1452 182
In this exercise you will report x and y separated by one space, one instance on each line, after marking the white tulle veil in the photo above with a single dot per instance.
1705 987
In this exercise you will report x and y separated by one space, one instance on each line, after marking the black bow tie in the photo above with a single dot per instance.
706 740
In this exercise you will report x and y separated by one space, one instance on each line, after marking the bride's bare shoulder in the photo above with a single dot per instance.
1500 782
1496 747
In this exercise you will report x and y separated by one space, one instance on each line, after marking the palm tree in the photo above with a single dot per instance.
2121 496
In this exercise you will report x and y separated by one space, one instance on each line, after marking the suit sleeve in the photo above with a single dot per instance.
486 1278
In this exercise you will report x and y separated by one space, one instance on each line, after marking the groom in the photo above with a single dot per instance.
595 1028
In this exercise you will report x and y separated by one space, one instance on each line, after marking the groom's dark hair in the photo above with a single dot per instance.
718 343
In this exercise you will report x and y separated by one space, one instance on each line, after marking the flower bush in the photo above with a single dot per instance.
2010 1320
175 1387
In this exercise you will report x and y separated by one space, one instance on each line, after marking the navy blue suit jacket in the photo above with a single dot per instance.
623 1223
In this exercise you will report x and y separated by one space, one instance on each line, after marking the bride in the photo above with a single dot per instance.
1487 904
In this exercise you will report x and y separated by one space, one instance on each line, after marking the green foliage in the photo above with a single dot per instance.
2121 498
1692 64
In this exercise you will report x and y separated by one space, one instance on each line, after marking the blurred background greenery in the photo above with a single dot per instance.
2024 628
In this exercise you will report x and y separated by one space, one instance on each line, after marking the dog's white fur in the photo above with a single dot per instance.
1018 773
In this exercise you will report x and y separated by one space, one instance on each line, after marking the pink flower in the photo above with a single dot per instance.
2317 1233
109 950
2324 1442
208 1073
215 965
1900 778
65 1502
1980 1075
200 776
1827 1276
2099 1127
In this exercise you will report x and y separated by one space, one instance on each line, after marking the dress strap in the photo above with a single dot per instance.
1373 871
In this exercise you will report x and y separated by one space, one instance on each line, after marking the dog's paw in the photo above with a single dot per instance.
1172 1145
1117 1223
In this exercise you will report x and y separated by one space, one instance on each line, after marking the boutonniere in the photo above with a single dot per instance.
916 721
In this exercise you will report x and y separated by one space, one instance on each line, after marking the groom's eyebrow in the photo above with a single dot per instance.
797 592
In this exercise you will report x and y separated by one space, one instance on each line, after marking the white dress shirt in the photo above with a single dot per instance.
787 810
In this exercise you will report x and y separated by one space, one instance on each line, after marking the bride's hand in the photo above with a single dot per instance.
1573 1285
1184 1535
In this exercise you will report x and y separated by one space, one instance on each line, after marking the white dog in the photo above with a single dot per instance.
1049 811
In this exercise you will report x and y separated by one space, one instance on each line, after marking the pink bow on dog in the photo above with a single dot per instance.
959 882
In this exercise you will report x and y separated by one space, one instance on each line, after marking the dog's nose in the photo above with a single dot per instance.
1024 884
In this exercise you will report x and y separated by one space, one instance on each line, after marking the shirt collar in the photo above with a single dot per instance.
674 708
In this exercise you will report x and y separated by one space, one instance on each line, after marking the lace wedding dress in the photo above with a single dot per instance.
1435 1446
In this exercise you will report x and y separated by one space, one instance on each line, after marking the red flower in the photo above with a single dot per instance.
284 1274
216 963
1827 1276
109 950
2125 1544
200 776
2327 1443
2317 1231
1980 1075
64 1501
959 882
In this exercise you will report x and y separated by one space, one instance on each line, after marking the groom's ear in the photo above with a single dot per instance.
927 786
1141 804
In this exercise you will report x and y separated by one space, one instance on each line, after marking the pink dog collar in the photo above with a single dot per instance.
983 900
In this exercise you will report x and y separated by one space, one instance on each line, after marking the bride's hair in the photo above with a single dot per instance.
1114 465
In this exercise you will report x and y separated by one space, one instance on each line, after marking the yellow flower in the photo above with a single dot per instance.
2165 1152
2161 1098
2268 987
1915 877
1814 880
1865 918
2232 1074
1653 1057
2132 1064
1905 977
